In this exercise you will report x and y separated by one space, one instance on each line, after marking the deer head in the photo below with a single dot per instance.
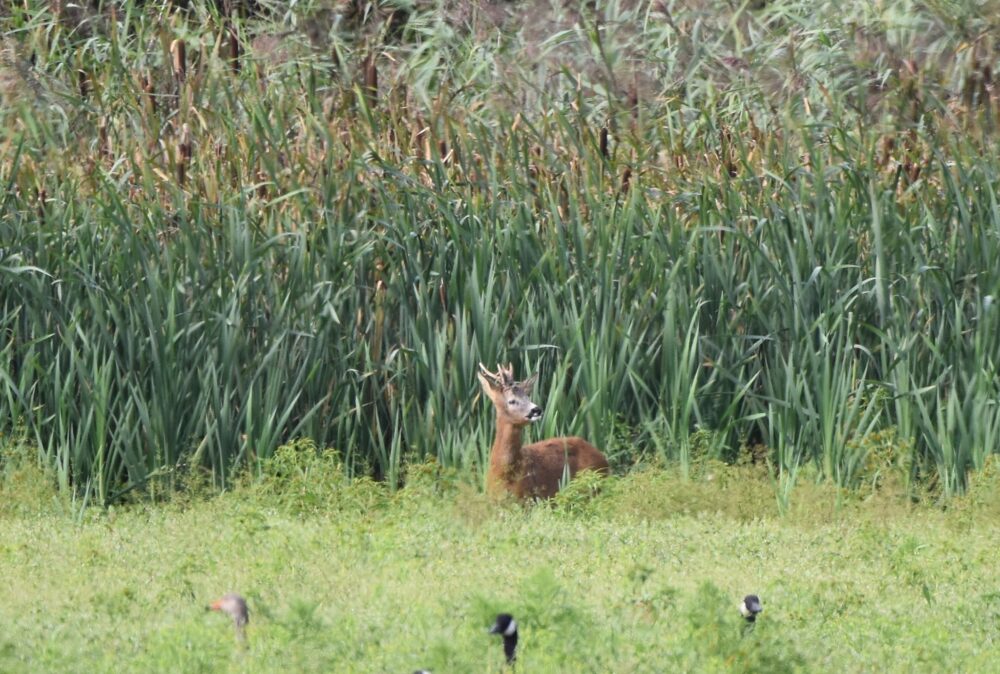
510 397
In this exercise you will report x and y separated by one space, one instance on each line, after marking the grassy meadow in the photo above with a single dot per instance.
350 576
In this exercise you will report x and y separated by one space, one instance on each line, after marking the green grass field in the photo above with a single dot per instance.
645 577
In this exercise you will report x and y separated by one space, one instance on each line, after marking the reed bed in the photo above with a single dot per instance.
756 232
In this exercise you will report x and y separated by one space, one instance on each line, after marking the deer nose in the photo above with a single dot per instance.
535 413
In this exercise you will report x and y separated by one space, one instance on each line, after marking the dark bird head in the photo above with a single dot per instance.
750 607
506 626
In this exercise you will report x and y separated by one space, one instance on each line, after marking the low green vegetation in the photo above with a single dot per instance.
765 227
643 576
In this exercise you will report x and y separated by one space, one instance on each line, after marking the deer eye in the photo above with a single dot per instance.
511 402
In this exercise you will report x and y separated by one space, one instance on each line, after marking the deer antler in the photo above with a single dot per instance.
506 375
503 377
493 377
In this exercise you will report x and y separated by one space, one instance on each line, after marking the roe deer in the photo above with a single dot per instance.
534 470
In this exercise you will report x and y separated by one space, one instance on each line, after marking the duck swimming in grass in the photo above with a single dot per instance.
506 626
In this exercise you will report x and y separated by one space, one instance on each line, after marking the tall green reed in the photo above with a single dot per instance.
769 251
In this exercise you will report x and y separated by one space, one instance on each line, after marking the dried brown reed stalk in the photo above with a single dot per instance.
232 48
82 83
103 147
370 88
178 60
626 181
184 146
887 145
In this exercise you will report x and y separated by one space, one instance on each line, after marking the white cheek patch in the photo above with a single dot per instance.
511 628
744 611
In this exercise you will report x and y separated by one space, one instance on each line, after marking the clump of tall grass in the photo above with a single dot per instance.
213 240
27 488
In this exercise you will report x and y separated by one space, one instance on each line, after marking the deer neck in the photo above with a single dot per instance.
506 452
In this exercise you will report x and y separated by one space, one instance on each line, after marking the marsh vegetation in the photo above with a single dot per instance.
759 231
